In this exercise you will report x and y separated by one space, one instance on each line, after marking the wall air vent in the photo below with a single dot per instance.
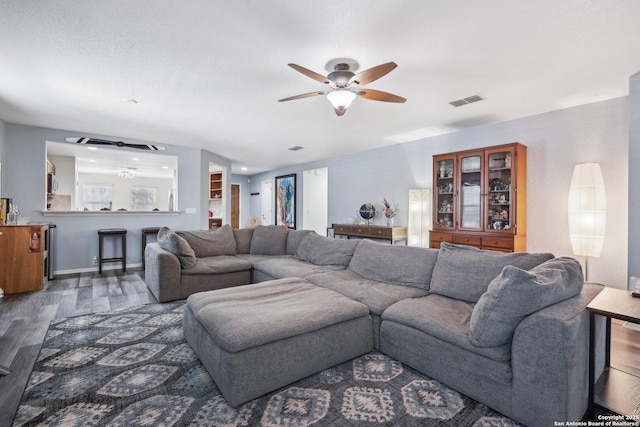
295 148
467 100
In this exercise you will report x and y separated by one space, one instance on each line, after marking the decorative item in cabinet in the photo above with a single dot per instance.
486 200
444 168
500 212
215 186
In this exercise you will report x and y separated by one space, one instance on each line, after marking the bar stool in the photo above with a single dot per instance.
145 232
122 232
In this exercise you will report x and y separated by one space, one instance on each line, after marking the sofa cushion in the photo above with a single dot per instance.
446 319
464 272
322 250
254 259
269 240
170 241
400 265
211 242
291 267
243 239
516 293
376 295
294 237
218 264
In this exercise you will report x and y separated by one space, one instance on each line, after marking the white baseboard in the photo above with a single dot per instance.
91 269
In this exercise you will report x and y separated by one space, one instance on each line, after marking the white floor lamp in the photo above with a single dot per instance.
587 212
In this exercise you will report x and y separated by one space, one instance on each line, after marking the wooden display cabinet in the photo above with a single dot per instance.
480 198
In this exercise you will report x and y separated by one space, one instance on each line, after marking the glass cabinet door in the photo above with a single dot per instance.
444 194
470 191
500 210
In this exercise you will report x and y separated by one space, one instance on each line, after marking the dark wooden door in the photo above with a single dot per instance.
235 206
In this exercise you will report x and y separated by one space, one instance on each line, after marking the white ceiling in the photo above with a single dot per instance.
208 73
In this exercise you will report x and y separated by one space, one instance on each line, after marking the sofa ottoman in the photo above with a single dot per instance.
257 338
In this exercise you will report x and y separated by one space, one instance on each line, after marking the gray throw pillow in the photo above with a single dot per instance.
170 241
517 293
320 250
243 239
204 243
400 265
464 272
269 240
293 240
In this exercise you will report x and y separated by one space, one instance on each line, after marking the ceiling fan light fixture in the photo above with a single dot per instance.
341 99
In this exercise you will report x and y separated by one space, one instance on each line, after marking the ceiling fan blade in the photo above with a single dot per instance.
367 76
144 146
340 111
96 141
90 141
378 95
304 95
315 76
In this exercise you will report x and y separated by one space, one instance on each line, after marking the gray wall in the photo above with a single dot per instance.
634 175
76 236
556 141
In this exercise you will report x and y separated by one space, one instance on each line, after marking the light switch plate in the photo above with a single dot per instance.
191 210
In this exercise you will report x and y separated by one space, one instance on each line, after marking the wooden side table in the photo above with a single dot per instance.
615 391
392 234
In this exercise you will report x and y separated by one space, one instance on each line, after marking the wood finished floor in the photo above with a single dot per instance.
25 318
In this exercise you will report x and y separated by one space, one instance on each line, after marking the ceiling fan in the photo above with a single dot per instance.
345 84
95 141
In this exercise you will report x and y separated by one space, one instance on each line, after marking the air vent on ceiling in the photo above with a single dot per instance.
467 100
295 148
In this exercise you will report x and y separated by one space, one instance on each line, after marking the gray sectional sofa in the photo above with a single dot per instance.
508 330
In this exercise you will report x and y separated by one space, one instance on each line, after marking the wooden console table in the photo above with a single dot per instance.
392 234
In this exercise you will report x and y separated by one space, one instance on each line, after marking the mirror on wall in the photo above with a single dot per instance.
89 178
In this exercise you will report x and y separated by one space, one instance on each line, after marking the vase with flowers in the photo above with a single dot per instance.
389 212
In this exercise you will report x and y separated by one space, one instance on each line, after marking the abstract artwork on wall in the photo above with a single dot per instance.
286 200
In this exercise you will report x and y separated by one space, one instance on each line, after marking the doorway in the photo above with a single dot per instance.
266 196
315 200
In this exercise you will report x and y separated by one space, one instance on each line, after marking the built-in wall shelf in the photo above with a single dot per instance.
215 186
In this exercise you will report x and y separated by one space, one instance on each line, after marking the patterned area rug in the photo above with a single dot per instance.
132 367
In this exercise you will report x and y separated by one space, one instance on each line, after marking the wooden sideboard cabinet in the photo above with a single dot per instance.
479 198
22 257
392 234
